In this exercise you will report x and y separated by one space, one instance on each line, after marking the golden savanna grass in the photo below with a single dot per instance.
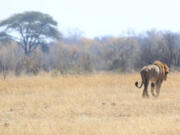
98 104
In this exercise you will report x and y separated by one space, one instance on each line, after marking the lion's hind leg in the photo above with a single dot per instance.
152 88
145 91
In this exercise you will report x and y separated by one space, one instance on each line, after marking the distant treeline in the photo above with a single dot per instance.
81 55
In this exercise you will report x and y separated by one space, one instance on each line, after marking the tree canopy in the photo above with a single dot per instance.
30 30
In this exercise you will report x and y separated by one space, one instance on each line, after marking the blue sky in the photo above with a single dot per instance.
102 17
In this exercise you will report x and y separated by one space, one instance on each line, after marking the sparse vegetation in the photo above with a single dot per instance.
122 54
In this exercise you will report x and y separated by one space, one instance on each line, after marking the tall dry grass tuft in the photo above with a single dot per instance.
107 104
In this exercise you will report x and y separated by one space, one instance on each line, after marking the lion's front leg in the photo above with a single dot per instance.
158 86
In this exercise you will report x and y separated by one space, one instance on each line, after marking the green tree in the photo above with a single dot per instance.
30 30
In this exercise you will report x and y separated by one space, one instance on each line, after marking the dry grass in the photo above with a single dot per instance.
102 104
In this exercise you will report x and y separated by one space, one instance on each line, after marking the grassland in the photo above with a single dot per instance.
99 104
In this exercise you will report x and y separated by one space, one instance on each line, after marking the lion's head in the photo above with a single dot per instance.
163 68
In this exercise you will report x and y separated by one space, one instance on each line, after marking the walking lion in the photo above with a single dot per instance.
156 74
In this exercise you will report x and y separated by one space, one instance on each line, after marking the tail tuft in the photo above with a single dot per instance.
136 83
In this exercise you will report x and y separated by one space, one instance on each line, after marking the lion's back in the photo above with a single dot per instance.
151 71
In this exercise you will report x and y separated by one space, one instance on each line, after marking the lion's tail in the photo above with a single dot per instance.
143 76
136 84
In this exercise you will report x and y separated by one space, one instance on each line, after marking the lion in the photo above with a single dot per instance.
156 74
